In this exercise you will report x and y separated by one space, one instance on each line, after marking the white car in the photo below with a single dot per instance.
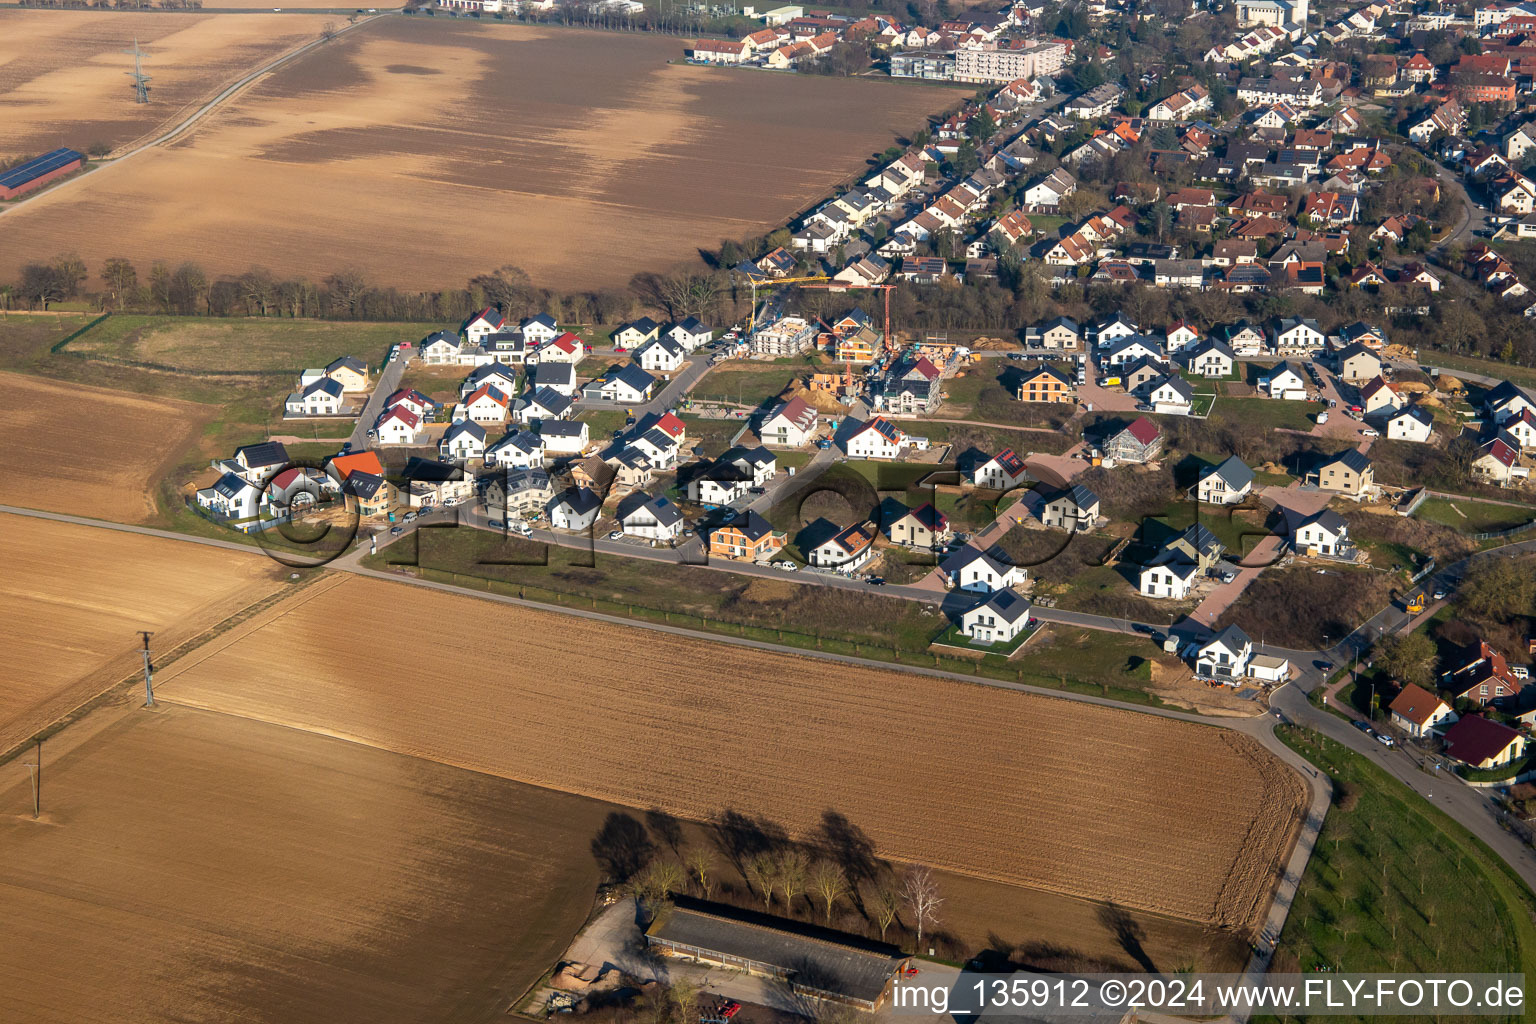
616 535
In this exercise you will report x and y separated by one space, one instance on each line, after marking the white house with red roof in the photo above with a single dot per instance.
481 325
398 425
1483 677
877 438
488 404
790 424
1001 472
564 348
1418 712
411 399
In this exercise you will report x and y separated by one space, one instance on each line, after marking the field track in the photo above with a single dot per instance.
951 774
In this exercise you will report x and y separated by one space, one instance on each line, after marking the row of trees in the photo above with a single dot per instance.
834 874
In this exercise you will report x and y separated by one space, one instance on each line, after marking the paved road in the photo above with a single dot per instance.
389 381
668 397
191 120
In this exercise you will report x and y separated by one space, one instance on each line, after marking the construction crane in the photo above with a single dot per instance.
772 283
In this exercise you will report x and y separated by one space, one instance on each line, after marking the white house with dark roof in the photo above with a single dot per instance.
259 462
539 329
1325 532
1170 577
541 404
1210 358
1226 484
627 384
558 377
691 333
564 437
1286 382
661 355
322 398
981 572
649 517
498 375
463 441
1074 509
520 449
478 326
636 332
1225 657
231 498
1411 423
575 509
998 619
1171 395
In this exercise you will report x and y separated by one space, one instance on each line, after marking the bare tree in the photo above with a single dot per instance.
685 996
792 869
762 874
328 31
701 865
828 882
887 901
920 892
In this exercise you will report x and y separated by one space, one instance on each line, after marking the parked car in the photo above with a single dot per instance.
496 524
410 517
1385 740
1362 726
396 530
1370 432
616 535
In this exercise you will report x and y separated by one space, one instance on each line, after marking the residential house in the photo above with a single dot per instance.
1211 358
1483 676
564 437
1412 423
1379 396
415 401
397 426
626 385
520 492
847 550
636 333
981 572
1287 382
661 355
1060 333
1169 577
463 441
998 619
541 405
1226 484
350 372
519 449
231 498
1357 363
478 326
1139 442
1171 395
1324 532
877 438
790 424
1496 460
565 348
1480 742
749 537
258 463
1045 384
322 398
1418 712
1074 509
558 377
1225 657
1349 473
1001 472
575 509
1297 336
499 376
1506 401
924 528
649 517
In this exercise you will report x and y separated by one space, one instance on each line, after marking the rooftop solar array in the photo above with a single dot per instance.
37 168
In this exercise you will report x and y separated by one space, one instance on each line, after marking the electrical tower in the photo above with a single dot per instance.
140 79
149 672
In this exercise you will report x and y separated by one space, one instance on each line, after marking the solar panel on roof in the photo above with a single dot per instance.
39 167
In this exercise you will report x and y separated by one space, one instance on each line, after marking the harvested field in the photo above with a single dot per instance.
63 81
74 598
89 451
353 155
637 717
202 867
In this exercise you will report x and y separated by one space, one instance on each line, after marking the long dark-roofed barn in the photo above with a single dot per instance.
39 172
812 962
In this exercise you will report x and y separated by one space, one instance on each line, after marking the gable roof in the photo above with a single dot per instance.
1234 472
1352 458
1007 604
1475 739
262 454
1143 430
1416 704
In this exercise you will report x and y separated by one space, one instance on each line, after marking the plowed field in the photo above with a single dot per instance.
199 867
1153 814
64 81
73 599
422 152
88 451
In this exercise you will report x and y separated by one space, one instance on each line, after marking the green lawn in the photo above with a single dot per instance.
1267 413
1470 516
601 423
1395 885
752 385
260 345
1487 367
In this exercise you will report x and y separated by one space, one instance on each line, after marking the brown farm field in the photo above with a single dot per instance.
74 597
1152 814
63 78
90 451
202 867
422 152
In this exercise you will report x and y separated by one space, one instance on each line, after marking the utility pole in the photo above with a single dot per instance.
149 672
35 769
140 79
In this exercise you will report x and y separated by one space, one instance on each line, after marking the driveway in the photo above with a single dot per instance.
389 382
1099 399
